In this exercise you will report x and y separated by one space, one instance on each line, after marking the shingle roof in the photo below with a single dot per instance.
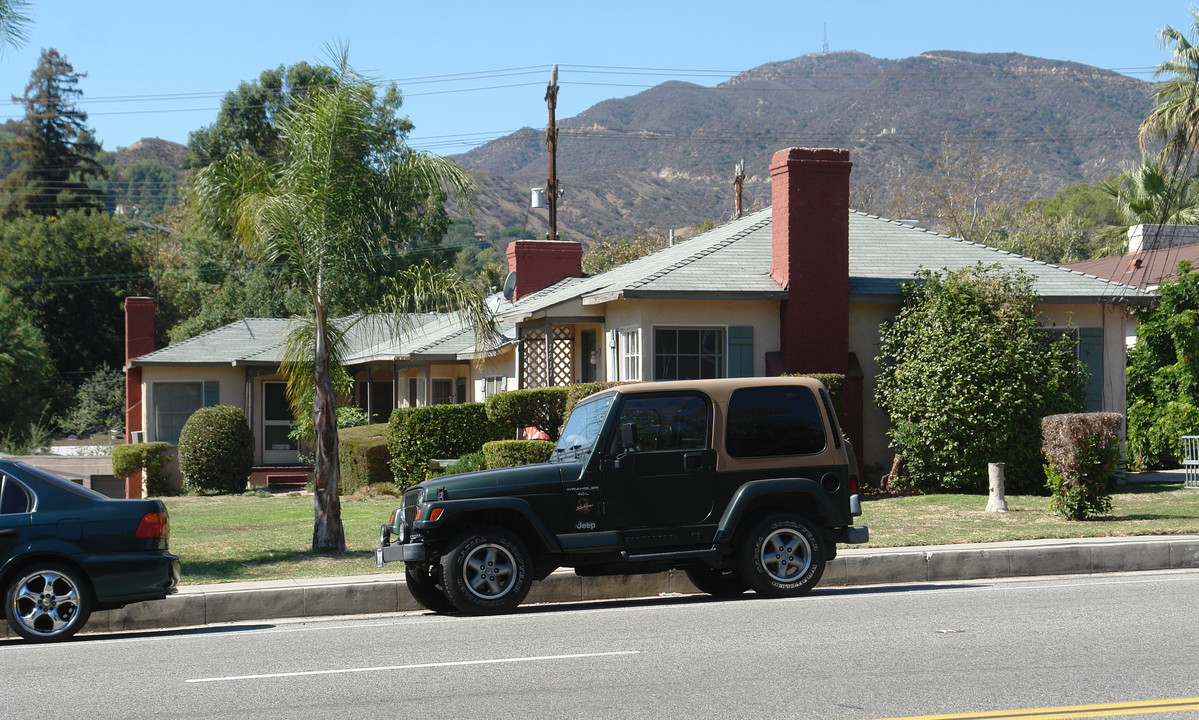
259 341
733 262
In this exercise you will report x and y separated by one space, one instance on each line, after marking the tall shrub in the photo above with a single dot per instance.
1084 455
1163 375
152 458
216 450
966 375
418 435
542 408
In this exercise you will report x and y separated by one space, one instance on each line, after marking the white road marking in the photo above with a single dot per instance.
459 663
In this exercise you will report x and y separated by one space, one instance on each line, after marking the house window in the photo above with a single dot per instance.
443 391
493 385
688 353
630 354
174 403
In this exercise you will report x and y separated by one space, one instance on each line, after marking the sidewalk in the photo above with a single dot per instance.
199 605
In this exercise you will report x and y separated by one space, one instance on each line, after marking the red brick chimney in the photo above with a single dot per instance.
139 340
541 263
810 257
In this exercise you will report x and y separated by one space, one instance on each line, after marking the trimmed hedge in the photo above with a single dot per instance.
216 450
417 435
542 408
834 383
511 453
578 391
364 456
128 460
1084 455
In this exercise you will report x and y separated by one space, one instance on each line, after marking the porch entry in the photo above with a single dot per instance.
277 422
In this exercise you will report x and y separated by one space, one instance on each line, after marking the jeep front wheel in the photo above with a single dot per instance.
486 570
423 589
782 556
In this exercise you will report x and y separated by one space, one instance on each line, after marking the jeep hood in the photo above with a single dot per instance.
521 480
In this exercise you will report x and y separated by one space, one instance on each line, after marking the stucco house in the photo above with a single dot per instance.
802 286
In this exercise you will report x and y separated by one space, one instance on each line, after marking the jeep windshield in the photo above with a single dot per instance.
582 429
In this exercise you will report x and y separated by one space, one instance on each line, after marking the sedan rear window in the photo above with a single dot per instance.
14 498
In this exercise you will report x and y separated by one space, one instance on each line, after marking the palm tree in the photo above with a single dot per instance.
14 24
326 213
1147 194
1174 121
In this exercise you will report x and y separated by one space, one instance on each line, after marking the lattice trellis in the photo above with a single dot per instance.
535 372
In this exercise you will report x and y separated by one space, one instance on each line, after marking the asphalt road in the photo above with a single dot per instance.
1002 648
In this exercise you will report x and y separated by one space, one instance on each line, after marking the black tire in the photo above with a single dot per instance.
782 556
47 602
485 571
718 583
424 589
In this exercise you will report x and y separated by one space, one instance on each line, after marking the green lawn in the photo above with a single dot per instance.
224 539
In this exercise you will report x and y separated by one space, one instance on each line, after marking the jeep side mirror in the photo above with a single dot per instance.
628 436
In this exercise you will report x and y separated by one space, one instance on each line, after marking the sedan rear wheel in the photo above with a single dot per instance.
47 603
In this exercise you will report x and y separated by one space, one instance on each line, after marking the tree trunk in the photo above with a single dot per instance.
328 535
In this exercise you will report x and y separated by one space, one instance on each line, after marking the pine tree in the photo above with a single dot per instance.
55 149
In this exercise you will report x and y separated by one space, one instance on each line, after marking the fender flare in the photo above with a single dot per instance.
748 494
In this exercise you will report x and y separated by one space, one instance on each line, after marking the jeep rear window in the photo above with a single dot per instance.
772 421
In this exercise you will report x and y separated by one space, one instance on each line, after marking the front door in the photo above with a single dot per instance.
663 490
277 446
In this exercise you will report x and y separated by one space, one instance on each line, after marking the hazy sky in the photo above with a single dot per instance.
472 71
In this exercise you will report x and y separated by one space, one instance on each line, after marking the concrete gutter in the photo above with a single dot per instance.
200 605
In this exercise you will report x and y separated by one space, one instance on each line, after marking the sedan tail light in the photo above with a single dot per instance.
154 526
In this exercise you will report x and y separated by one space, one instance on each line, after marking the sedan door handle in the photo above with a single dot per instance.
9 532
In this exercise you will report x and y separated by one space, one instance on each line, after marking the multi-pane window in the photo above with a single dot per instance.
688 353
630 354
174 402
493 385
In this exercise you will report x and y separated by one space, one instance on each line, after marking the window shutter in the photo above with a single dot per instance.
1090 352
741 351
212 393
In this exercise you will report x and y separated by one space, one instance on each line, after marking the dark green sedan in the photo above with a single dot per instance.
66 551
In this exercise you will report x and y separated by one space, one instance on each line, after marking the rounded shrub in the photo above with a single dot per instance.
216 450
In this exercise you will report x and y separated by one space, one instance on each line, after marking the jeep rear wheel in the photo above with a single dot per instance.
486 570
423 589
718 583
782 556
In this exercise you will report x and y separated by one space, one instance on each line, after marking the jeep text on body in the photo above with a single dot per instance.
743 483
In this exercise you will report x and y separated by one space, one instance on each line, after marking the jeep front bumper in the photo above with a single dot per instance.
408 552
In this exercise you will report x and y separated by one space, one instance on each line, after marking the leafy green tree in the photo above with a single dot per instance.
967 373
72 272
55 149
325 212
1163 375
27 377
606 253
1032 233
147 185
99 404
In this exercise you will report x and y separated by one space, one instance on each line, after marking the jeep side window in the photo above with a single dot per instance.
772 421
671 422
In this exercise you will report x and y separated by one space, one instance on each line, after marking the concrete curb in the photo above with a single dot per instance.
200 605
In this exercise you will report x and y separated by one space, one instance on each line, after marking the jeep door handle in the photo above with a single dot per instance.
693 461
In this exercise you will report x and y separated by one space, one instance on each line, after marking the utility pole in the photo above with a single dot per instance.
738 182
551 143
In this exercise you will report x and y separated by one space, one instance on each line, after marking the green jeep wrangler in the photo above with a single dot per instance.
742 483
